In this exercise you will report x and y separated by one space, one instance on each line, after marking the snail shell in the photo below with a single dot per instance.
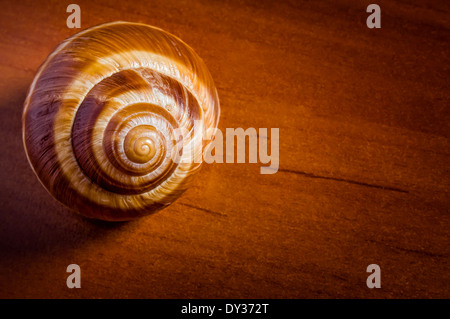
101 118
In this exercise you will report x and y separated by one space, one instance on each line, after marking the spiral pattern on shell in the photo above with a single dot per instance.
102 118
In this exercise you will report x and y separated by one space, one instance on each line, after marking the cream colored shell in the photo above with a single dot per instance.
101 117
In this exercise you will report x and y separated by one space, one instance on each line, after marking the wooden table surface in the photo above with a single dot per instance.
364 158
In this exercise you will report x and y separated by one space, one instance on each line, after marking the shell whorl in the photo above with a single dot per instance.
102 118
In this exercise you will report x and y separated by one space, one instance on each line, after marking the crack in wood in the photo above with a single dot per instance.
310 175
205 210
408 250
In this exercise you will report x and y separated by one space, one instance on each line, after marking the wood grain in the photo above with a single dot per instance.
364 159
